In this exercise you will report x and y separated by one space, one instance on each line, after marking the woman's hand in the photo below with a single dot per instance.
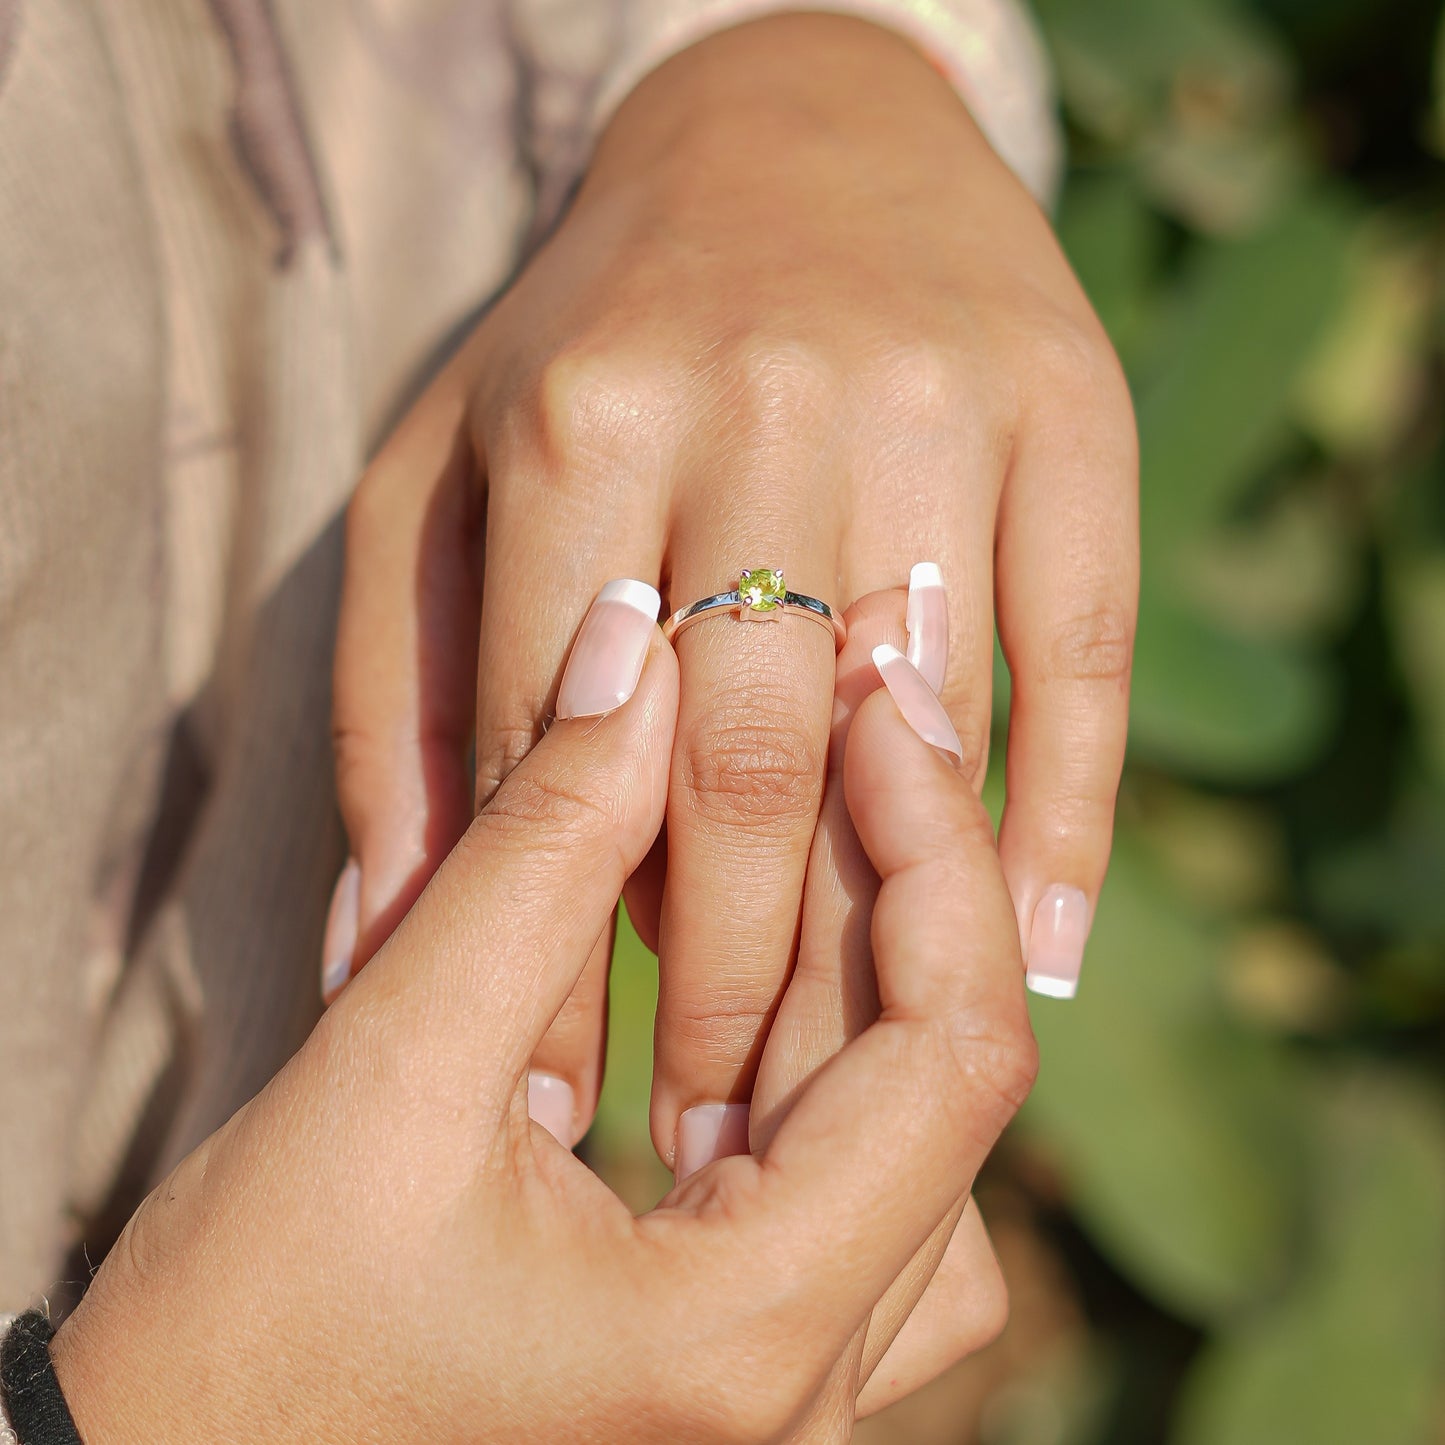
383 1245
800 315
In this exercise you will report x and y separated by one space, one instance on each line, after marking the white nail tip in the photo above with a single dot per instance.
639 596
926 621
1041 983
915 699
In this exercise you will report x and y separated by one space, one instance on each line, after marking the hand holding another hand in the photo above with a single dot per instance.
384 1246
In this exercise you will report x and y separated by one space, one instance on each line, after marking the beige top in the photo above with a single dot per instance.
232 234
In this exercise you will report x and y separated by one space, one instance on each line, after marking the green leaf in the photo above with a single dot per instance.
1362 389
1121 61
1415 599
1390 879
1251 314
1224 706
1172 1125
1355 1351
1212 696
1113 241
1290 571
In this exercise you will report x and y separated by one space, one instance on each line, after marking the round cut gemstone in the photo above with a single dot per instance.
762 589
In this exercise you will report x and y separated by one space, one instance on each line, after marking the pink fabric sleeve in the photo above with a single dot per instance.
587 56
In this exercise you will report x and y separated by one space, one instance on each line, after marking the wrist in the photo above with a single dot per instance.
780 86
131 1374
104 1410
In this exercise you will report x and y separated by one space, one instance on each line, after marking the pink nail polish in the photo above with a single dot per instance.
607 657
1056 942
340 941
707 1132
918 702
927 621
551 1102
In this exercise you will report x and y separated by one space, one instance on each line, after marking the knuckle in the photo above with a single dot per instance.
753 774
501 747
973 738
775 379
923 383
353 751
588 400
993 1072
1074 370
163 1229
1094 646
722 1025
541 812
1082 810
1072 358
1078 379
962 834
143 1244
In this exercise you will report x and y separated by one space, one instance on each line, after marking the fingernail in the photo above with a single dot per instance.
551 1102
918 702
927 622
707 1132
1056 942
340 940
610 649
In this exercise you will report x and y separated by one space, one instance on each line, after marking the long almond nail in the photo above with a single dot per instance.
707 1132
1056 942
340 942
918 702
551 1102
607 657
927 622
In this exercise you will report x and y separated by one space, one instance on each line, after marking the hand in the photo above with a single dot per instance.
950 1300
799 315
383 1246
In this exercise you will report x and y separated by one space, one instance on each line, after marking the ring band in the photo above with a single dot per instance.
761 595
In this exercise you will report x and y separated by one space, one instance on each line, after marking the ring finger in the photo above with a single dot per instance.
744 795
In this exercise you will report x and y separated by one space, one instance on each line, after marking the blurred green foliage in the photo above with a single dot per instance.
1242 1111
1244 1105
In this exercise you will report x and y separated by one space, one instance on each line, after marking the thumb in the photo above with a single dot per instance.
887 1137
495 944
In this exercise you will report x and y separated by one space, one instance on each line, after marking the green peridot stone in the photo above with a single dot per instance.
762 590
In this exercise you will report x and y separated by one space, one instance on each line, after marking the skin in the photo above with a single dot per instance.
383 1247
800 314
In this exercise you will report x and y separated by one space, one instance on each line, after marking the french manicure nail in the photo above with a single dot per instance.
918 702
553 1105
340 942
927 622
707 1132
1056 942
611 647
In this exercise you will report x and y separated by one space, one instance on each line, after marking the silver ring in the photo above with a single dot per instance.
761 595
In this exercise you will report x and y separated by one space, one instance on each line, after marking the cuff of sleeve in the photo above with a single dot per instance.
7 1429
988 49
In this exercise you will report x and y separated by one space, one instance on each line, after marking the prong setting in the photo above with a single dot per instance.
761 593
